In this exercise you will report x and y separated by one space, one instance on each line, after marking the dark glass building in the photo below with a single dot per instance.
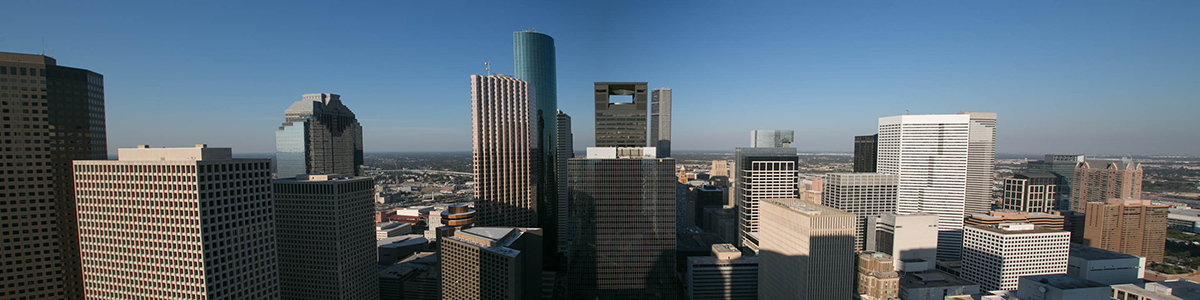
319 136
620 123
864 153
623 202
534 62
51 115
761 173
1063 166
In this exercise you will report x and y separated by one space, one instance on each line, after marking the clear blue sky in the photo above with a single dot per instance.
1064 76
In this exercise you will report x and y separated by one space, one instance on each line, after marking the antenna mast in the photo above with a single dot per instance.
488 67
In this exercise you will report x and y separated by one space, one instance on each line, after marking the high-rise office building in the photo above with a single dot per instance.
761 173
865 148
177 223
505 189
726 275
60 113
910 239
1061 165
945 165
865 195
319 135
1030 192
1097 180
491 263
325 237
1130 226
624 202
806 251
877 277
534 62
995 257
565 152
660 121
718 173
772 138
621 120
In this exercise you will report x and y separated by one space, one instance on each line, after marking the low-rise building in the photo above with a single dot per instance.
877 278
934 285
1105 266
390 229
1184 219
727 274
414 278
1060 287
1174 289
393 249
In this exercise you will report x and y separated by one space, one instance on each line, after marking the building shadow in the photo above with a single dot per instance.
826 272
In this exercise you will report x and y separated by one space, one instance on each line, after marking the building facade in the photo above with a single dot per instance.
182 223
944 164
772 138
59 111
325 238
877 277
534 62
620 123
563 153
1030 192
319 135
1105 266
624 202
660 121
1097 180
491 263
863 194
910 239
502 143
865 148
806 251
761 173
1130 226
995 257
727 275
1061 165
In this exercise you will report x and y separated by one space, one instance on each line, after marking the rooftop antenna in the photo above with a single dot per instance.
488 67
906 111
43 46
960 108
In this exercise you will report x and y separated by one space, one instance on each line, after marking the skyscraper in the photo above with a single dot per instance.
945 165
1061 165
866 195
1030 192
995 257
624 202
1097 180
534 63
621 121
807 251
772 138
181 223
322 222
761 173
865 148
502 143
491 263
62 109
319 136
660 121
565 151
1130 226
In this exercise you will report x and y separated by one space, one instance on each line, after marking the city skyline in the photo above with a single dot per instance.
839 65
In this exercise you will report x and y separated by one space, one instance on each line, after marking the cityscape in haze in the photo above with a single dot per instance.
792 150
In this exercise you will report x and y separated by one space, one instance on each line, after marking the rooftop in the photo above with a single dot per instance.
1064 281
932 278
1021 228
1185 289
401 241
1035 176
1089 253
808 208
199 152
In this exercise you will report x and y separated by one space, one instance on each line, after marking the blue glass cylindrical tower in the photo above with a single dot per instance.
533 57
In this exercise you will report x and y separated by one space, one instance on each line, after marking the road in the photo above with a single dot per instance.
428 172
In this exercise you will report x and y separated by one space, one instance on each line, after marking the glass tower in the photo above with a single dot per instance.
319 135
533 61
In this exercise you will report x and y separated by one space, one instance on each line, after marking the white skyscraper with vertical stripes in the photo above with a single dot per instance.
944 164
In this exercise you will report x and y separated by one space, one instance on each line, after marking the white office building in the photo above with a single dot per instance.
910 239
176 223
944 164
995 257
